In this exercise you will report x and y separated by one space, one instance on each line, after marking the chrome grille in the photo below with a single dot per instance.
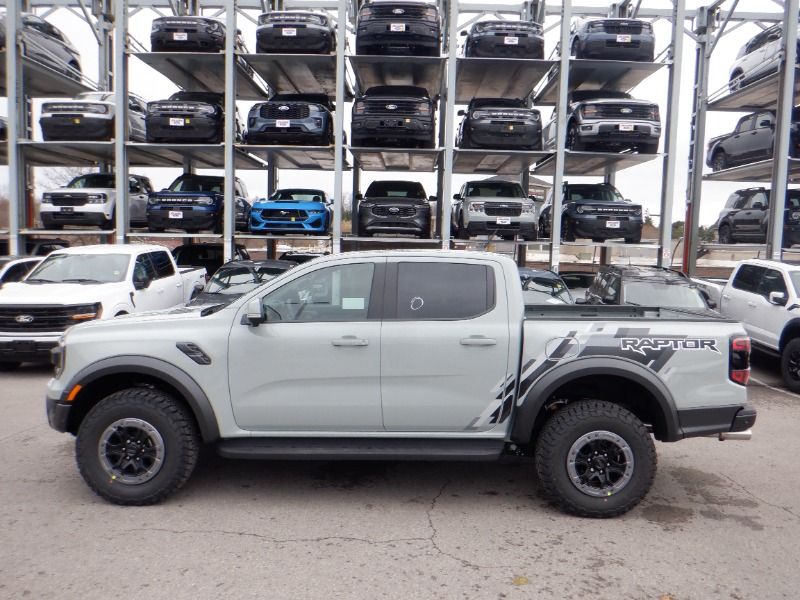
624 111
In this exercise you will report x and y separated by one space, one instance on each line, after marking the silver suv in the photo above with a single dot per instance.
44 43
494 208
758 58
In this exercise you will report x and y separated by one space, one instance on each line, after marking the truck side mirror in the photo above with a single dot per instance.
140 282
777 298
463 32
461 113
758 206
254 313
432 198
359 196
456 196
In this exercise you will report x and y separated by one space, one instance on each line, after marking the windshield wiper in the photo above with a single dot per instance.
80 280
38 280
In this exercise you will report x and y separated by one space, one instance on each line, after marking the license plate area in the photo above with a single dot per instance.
180 37
176 214
397 27
23 346
612 224
67 209
623 38
289 32
511 40
626 127
503 220
177 121
283 123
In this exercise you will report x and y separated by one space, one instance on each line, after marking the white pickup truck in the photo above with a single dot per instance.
87 283
763 295
399 356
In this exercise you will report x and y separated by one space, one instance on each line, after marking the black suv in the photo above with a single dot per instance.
394 207
745 217
402 27
646 286
613 39
187 34
394 115
752 140
296 32
504 39
209 256
193 117
44 43
291 119
500 123
594 210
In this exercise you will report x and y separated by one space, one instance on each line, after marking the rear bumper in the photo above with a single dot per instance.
711 421
77 128
493 45
308 38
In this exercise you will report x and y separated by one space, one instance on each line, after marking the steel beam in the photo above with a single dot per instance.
338 128
120 81
671 135
229 211
449 129
782 130
16 94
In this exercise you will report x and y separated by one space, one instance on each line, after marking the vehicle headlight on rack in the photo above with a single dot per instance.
424 108
796 216
214 28
359 108
58 357
96 198
87 312
205 201
156 26
99 109
579 209
476 207
654 113
152 200
480 114
47 198
528 208
637 211
591 110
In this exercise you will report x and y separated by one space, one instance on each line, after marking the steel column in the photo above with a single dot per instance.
338 128
671 135
354 201
16 95
120 81
783 124
449 135
229 210
561 129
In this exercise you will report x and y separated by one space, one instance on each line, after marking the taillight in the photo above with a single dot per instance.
739 361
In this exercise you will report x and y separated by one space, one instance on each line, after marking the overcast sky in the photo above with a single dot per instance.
641 184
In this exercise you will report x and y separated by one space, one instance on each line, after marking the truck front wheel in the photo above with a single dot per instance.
595 459
790 365
137 446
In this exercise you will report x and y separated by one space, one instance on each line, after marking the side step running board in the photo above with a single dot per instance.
360 449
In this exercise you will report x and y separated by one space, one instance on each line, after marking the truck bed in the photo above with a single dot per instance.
591 312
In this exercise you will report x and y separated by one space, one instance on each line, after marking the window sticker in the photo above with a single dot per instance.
353 303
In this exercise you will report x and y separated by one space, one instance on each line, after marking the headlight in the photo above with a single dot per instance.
87 312
424 109
99 109
366 204
152 200
590 110
214 28
206 109
638 211
359 108
528 208
96 198
796 216
430 13
58 357
365 12
205 201
476 207
47 198
156 26
315 212
579 209
654 114
480 114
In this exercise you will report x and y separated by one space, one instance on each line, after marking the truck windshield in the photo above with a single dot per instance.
196 183
298 196
81 268
653 293
238 280
93 180
395 189
596 193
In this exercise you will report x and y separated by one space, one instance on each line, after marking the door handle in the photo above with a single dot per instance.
478 340
350 340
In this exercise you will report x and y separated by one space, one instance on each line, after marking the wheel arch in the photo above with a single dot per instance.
119 372
615 380
790 331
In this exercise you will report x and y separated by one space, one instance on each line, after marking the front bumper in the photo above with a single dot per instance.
76 217
313 224
299 131
418 223
34 349
77 127
420 38
493 44
605 46
492 225
192 217
499 134
195 129
58 414
196 41
309 38
595 226
391 130
609 133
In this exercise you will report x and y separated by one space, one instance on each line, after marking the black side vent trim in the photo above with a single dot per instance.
194 352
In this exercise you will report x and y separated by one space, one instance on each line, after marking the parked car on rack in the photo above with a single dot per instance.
612 39
394 207
394 115
43 42
752 140
304 119
187 33
763 296
90 116
36 246
91 200
543 287
192 117
293 210
237 277
504 39
3 129
745 217
210 256
195 202
326 361
405 27
494 208
76 285
594 210
759 57
300 257
15 268
500 123
295 32
647 286
607 121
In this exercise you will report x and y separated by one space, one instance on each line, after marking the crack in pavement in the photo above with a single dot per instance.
273 540
752 495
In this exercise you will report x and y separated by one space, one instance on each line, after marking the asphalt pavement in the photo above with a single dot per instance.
722 521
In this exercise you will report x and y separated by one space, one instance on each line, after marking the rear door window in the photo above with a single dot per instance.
748 278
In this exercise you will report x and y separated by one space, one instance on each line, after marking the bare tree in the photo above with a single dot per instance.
56 177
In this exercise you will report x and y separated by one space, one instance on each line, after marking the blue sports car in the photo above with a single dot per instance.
292 210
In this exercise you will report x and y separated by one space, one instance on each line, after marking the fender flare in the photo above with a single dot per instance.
186 386
547 384
784 339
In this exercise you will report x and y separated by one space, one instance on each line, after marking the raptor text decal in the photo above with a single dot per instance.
642 345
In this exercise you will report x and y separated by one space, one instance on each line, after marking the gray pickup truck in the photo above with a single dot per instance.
421 355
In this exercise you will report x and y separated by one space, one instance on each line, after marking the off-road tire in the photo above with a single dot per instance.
172 422
725 235
790 365
564 429
719 162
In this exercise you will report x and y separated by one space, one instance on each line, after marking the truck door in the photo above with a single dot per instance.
762 137
767 319
444 345
314 365
740 299
747 222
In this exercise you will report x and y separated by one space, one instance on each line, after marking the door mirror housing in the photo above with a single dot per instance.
456 196
254 313
359 196
432 198
778 298
461 113
463 32
758 206
141 282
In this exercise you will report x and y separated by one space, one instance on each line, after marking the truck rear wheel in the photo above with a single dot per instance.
137 446
595 459
790 365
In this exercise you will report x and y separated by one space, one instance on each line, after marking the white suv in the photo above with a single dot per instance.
758 58
90 200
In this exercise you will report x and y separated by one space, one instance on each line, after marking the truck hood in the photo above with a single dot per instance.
268 204
600 204
55 293
617 101
155 316
66 190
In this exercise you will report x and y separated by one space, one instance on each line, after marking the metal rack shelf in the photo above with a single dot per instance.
589 74
593 163
287 237
202 71
67 232
498 77
205 156
495 162
759 95
174 235
42 81
296 73
66 154
396 159
423 71
756 172
319 158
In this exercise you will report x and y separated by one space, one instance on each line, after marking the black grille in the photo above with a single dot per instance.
503 210
68 199
293 111
624 111
613 210
631 28
284 214
39 318
394 211
387 12
402 107
176 108
173 200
